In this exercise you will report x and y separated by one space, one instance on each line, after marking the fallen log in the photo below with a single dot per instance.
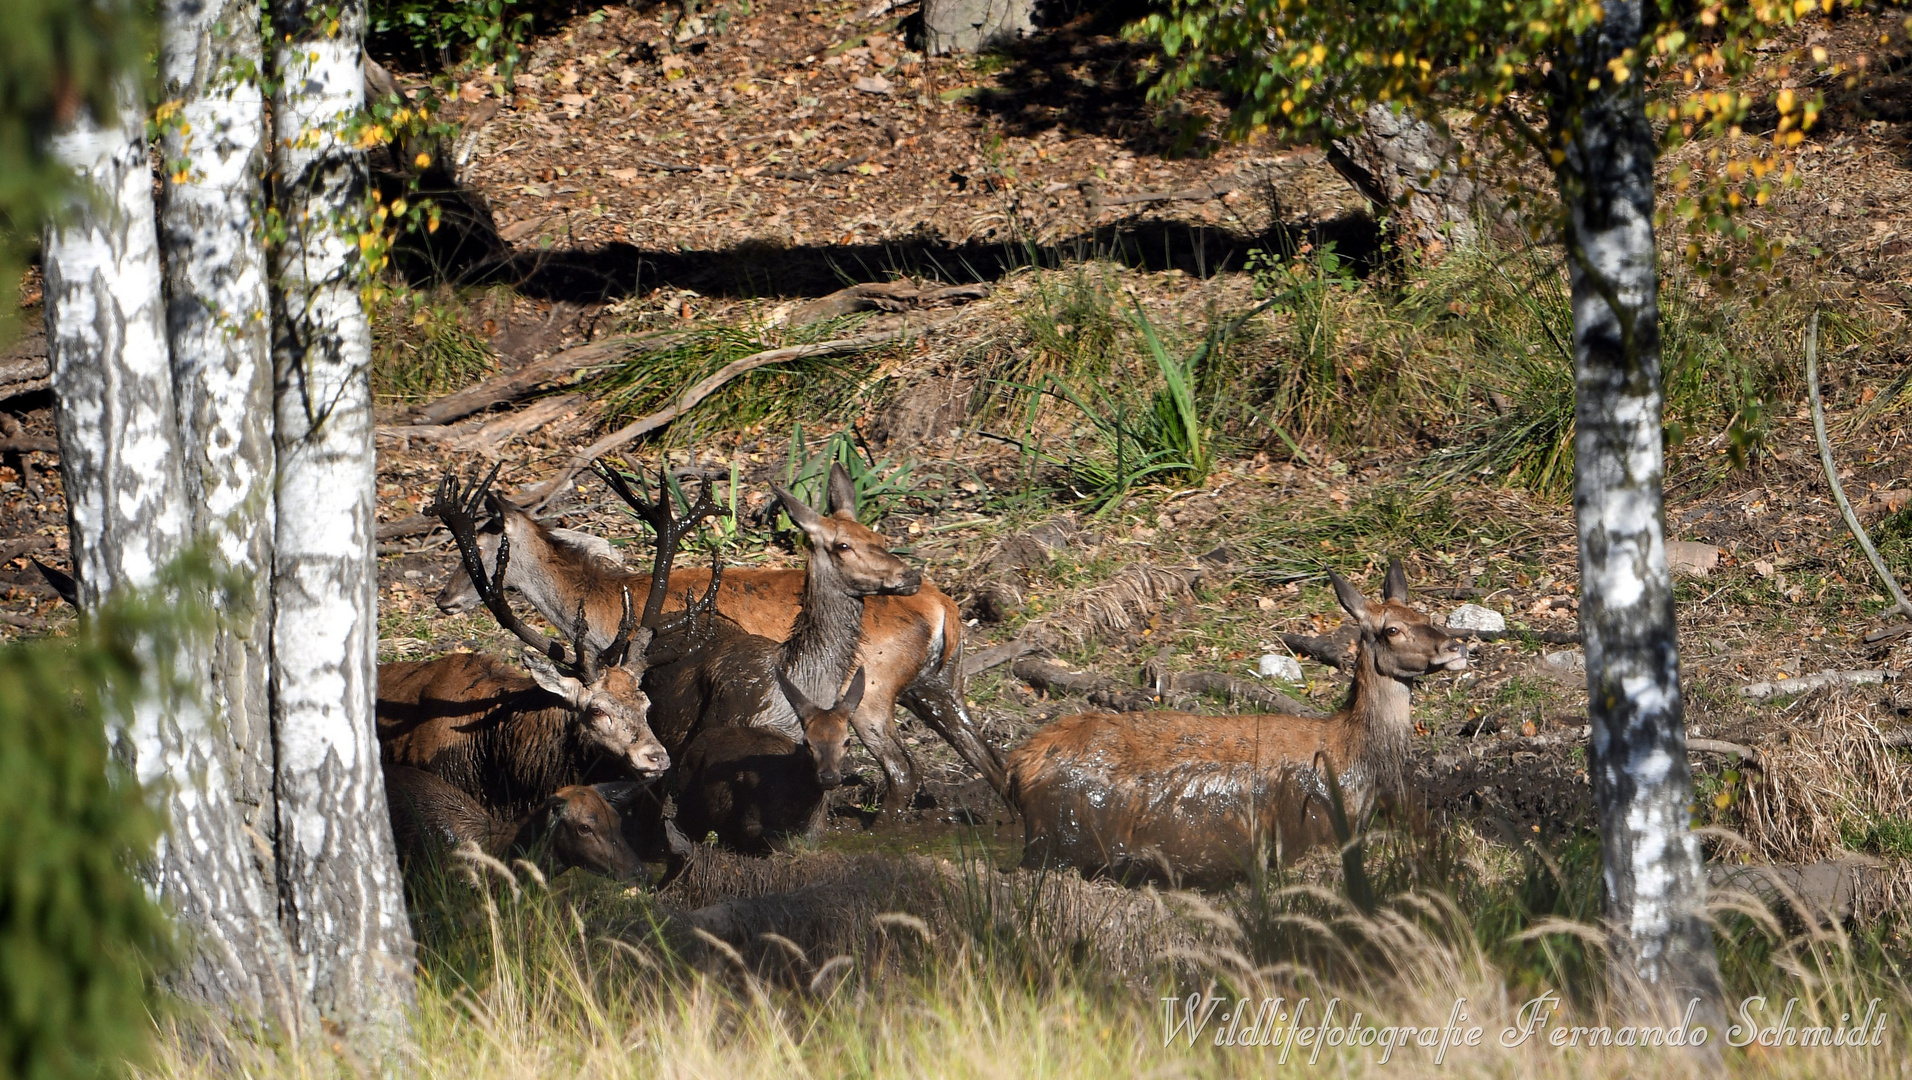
29 444
1335 650
882 296
533 377
1100 690
1762 691
697 392
995 655
1192 684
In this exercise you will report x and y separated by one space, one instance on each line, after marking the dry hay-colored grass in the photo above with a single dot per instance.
1130 596
1822 781
827 904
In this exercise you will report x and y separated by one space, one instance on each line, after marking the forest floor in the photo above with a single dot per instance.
654 176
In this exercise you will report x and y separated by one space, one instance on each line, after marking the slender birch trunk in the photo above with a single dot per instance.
218 321
127 522
342 898
1643 787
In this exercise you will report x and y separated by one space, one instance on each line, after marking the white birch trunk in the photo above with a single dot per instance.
343 901
127 521
218 321
1655 881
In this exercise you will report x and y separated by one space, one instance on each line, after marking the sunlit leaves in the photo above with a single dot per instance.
1310 68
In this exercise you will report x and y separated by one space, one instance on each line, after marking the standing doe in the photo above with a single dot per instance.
1196 798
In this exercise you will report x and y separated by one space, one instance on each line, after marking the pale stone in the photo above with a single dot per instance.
1476 617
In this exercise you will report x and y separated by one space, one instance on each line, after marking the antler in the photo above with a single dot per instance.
669 532
458 508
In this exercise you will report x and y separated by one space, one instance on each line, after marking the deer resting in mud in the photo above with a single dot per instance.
578 825
1196 798
909 637
753 787
509 738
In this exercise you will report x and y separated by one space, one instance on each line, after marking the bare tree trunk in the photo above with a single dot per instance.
342 899
1655 881
127 522
218 320
1410 170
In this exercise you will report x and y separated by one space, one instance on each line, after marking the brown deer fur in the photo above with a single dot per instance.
508 739
910 642
753 787
577 826
1194 798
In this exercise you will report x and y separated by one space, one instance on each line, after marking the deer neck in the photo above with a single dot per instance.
532 571
520 837
822 645
1376 725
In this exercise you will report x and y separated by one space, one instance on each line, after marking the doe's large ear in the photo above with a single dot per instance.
842 492
621 794
853 696
1351 599
1396 588
807 519
552 681
798 701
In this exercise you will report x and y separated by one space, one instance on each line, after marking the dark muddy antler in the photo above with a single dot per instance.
670 532
457 507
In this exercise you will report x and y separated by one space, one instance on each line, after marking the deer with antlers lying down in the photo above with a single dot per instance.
1197 798
511 738
909 635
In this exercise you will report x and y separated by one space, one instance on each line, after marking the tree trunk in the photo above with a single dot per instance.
341 894
127 523
1408 169
218 321
1642 784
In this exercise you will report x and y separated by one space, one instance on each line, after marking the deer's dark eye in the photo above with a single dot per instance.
586 830
1394 631
842 545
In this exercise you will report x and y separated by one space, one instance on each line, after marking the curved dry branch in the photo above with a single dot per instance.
1832 473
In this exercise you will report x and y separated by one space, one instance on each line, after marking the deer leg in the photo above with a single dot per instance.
936 703
875 724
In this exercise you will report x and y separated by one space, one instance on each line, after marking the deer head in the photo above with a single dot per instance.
526 534
1403 643
599 687
826 731
859 557
585 827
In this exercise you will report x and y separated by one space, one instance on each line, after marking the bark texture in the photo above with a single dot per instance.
1407 166
127 522
341 895
1642 783
217 324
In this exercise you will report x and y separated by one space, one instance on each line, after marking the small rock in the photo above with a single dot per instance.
1763 568
1266 603
872 84
1476 617
1687 557
1568 668
1277 666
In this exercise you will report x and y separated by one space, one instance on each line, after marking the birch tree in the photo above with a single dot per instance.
213 142
1643 784
1566 82
127 522
342 900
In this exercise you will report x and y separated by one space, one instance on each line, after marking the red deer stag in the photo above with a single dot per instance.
577 826
910 641
753 787
507 739
1192 798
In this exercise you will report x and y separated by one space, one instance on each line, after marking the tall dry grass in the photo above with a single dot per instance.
918 967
